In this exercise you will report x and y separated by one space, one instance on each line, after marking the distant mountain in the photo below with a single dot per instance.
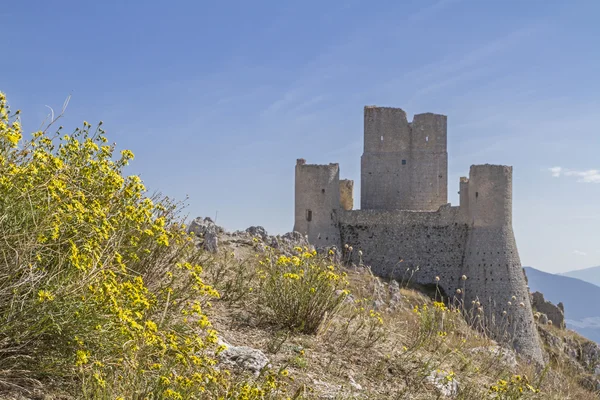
580 299
591 275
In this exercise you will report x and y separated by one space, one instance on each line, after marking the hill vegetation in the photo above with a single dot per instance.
104 295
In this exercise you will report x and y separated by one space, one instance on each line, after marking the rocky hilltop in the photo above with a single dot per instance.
423 348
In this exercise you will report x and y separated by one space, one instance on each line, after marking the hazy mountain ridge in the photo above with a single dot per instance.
578 297
591 275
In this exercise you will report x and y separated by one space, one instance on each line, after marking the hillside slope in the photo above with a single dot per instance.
385 341
578 297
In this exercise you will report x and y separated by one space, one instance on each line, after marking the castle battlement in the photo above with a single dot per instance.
405 216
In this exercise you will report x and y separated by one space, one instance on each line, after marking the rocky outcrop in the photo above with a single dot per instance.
209 236
556 314
444 382
258 235
208 232
243 357
579 353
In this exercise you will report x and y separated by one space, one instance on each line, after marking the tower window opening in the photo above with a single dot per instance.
322 190
382 138
427 138
309 215
476 194
403 162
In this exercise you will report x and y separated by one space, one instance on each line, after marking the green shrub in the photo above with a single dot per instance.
515 387
100 289
301 291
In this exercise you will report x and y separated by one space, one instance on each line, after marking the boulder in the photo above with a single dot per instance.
395 295
259 232
208 231
554 313
445 383
243 357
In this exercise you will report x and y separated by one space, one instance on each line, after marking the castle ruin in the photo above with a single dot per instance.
405 224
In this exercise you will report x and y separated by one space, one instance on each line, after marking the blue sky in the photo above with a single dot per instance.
218 99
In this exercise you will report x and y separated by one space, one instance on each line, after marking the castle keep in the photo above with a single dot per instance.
405 220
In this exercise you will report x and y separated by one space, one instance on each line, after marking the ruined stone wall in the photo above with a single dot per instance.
317 196
464 196
556 314
492 263
404 165
347 194
395 243
406 230
475 240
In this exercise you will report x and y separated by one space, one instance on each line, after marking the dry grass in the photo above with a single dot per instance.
350 358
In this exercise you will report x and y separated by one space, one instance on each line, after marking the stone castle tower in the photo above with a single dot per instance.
404 165
405 216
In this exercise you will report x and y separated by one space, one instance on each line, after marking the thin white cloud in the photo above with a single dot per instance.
579 253
587 176
556 171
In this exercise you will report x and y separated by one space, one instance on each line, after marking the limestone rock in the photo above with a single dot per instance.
554 313
259 232
395 296
243 357
200 226
208 231
211 242
590 356
294 239
284 243
583 355
379 305
445 384
504 355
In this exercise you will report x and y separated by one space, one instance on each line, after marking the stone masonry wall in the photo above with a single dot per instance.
404 165
406 230
492 263
317 196
432 241
347 194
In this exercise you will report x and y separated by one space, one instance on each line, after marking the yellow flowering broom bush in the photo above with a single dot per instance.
515 387
100 287
301 291
435 323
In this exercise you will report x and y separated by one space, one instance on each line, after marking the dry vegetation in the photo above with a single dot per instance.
103 295
381 343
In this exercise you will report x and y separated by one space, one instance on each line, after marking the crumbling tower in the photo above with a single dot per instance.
317 195
404 165
492 265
